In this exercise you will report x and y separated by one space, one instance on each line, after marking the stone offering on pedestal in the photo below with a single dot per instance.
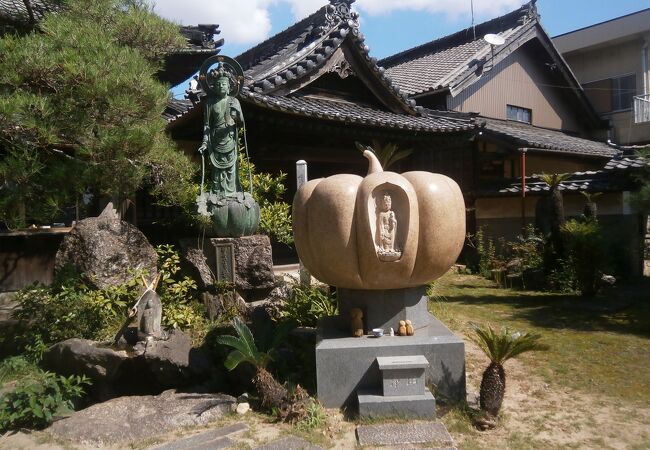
380 240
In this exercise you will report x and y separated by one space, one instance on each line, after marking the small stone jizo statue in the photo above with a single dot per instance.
402 328
148 311
356 322
409 328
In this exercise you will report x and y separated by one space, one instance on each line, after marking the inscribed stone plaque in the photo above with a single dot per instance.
225 262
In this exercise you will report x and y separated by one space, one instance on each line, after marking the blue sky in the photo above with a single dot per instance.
390 26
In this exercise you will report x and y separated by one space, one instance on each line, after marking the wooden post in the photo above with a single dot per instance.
301 178
523 189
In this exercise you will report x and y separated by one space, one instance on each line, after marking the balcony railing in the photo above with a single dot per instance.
642 108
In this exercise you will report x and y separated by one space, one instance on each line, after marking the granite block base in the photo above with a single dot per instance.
373 404
385 308
345 365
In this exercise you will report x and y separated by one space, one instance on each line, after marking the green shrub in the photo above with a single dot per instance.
181 307
315 417
37 399
275 220
561 276
486 251
529 248
585 248
15 368
69 308
268 190
307 304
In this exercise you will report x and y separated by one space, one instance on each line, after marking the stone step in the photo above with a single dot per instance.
399 434
402 362
402 375
373 404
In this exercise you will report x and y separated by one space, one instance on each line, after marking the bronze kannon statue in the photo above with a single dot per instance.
223 119
233 212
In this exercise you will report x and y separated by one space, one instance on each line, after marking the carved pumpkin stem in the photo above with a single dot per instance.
375 165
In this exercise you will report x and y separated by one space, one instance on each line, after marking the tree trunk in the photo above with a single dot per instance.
557 219
271 392
590 210
493 387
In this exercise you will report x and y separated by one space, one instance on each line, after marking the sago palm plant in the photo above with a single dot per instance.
554 205
272 394
500 346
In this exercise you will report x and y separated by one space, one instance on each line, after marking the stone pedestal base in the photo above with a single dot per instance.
251 262
385 308
252 257
347 365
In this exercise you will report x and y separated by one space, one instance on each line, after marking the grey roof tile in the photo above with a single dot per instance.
432 65
616 175
526 135
305 47
620 162
343 111
599 181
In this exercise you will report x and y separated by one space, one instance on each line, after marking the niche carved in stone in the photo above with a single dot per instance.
386 230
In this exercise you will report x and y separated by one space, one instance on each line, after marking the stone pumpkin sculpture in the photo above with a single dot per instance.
384 231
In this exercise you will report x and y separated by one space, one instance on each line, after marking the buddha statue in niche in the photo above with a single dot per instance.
386 231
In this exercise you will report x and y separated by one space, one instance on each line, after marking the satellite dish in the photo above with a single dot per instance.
494 39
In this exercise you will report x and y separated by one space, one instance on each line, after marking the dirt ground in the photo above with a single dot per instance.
536 414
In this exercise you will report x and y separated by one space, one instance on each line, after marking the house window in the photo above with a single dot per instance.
623 90
519 114
612 94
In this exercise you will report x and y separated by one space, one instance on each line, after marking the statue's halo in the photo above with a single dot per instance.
227 64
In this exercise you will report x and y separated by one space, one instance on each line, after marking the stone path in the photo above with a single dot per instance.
289 443
431 435
213 439
405 433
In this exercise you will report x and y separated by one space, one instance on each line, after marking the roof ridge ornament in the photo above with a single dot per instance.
341 11
530 12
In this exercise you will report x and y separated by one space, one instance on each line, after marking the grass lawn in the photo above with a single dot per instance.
590 390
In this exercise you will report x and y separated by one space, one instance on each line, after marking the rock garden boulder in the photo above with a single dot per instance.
107 250
144 369
136 418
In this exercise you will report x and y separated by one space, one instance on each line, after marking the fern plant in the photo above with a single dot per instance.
500 346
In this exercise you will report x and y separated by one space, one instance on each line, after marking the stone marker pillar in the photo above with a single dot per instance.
301 178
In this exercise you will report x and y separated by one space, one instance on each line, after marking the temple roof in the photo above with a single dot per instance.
456 61
542 139
278 73
181 63
335 110
327 40
25 13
